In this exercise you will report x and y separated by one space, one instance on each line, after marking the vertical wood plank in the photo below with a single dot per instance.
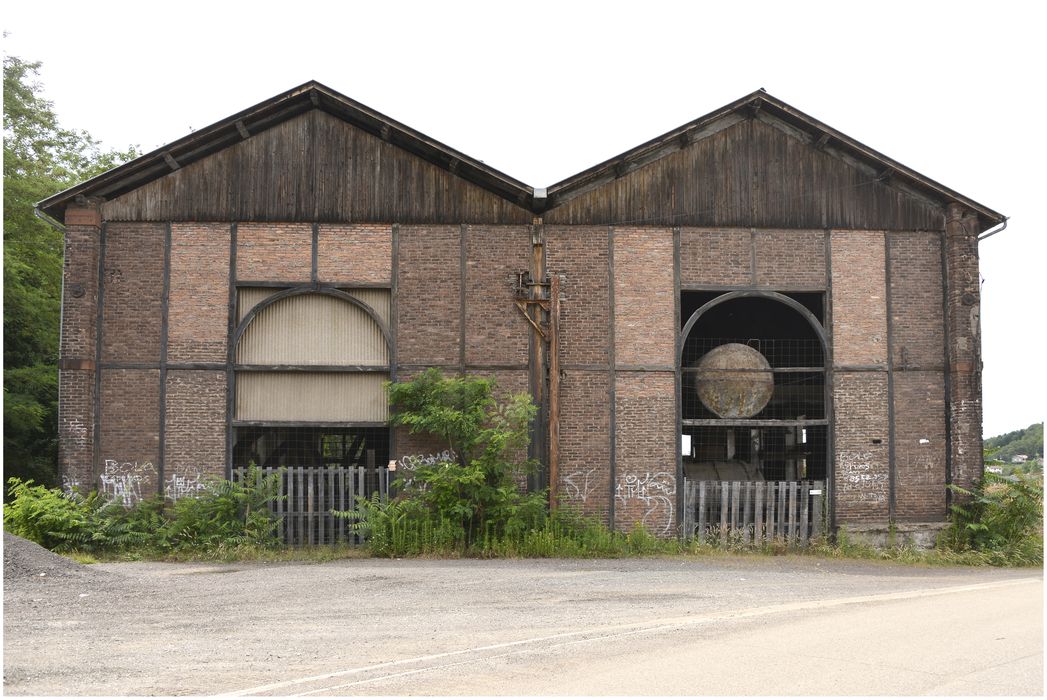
688 510
758 534
300 505
702 506
792 511
772 520
736 493
747 511
805 497
350 473
816 517
289 537
724 502
783 520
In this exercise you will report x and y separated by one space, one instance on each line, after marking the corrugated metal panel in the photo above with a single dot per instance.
312 329
311 396
377 299
249 297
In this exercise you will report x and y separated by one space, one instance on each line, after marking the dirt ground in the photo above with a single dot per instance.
175 629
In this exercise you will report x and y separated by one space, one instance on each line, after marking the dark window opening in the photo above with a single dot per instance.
310 446
753 389
742 453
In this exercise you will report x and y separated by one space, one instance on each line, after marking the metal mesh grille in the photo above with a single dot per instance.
310 446
773 453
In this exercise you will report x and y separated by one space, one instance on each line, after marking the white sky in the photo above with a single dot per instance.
542 90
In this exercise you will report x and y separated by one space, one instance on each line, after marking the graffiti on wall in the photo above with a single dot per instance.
183 486
579 485
859 471
656 494
412 462
76 432
123 482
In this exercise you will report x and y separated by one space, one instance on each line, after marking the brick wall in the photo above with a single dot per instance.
645 451
788 260
859 313
130 433
79 314
965 359
715 257
919 445
274 252
198 309
585 448
428 302
579 256
134 274
644 297
495 332
76 392
917 324
195 428
862 478
358 253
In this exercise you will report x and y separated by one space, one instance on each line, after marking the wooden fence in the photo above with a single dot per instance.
754 511
309 494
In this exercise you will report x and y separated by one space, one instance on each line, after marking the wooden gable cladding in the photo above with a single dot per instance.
314 167
755 173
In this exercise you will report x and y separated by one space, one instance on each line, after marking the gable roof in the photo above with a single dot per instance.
764 107
313 95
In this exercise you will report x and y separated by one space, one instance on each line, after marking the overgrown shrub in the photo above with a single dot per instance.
1002 517
453 505
225 514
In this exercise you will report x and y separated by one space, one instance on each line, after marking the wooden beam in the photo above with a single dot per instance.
242 128
171 162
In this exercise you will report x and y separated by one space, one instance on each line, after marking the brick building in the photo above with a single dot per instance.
242 293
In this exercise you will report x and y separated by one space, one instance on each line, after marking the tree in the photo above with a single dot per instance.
40 158
476 495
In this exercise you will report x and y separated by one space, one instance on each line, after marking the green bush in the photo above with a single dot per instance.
46 516
226 514
455 505
1002 518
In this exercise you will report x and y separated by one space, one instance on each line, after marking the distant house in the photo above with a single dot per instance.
994 470
1019 459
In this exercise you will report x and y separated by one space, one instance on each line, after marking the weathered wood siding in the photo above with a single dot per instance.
751 174
314 167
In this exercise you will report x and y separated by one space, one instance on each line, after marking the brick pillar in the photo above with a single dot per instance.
962 309
76 364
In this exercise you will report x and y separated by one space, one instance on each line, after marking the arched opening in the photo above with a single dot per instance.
309 372
754 405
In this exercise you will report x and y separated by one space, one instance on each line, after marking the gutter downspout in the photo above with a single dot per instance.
1003 226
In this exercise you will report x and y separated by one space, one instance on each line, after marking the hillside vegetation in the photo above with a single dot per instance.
1028 441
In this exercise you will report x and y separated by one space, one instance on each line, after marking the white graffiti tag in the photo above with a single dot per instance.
579 485
412 462
656 492
122 482
180 486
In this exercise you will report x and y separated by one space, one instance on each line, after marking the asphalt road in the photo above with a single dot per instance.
779 626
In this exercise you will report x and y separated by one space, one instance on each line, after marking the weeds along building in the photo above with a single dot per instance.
751 297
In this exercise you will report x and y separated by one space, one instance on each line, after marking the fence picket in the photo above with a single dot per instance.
758 512
701 511
816 517
805 497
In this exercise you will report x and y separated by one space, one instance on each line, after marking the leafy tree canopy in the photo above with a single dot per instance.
1028 441
40 158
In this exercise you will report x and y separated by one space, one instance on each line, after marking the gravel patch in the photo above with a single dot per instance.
27 562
